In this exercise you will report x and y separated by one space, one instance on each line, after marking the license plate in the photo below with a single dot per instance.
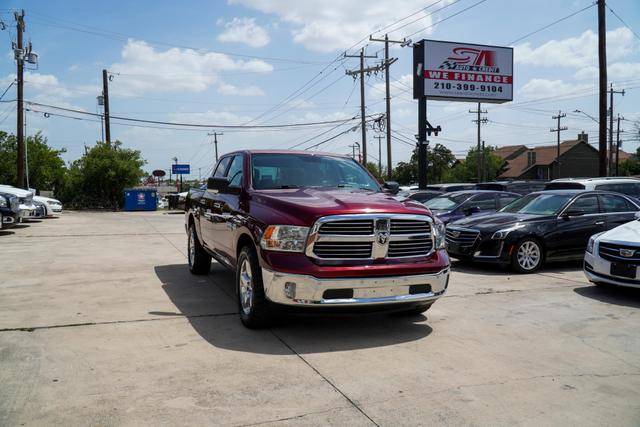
452 247
623 270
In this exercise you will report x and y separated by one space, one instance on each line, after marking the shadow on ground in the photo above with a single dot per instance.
6 232
489 269
209 304
618 295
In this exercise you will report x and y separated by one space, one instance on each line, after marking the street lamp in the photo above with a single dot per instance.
587 115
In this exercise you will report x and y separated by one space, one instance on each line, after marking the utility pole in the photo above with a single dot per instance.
388 62
602 88
479 121
484 167
618 146
379 138
361 72
558 129
105 94
611 92
19 55
215 141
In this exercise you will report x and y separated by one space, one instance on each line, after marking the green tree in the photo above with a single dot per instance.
466 170
373 169
439 160
99 177
46 167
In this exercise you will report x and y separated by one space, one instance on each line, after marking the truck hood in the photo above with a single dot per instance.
496 221
306 205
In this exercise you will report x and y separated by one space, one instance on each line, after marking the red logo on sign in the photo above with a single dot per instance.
470 59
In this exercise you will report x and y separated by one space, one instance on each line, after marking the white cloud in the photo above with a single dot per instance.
229 90
210 117
615 71
577 52
244 30
542 88
145 69
329 25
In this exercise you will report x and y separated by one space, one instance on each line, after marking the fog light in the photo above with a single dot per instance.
290 290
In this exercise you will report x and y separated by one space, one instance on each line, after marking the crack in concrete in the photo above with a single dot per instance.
294 417
115 322
506 291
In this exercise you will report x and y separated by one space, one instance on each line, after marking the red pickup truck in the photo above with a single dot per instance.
314 230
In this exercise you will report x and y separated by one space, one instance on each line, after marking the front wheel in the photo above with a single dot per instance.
528 256
254 308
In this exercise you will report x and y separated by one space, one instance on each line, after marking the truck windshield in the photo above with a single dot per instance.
271 171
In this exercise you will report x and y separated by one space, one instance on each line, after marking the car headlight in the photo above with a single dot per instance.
439 232
502 234
286 238
591 244
3 202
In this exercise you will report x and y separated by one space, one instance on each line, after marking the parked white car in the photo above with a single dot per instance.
627 186
25 199
52 206
613 257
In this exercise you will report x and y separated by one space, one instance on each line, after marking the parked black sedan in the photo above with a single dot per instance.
547 225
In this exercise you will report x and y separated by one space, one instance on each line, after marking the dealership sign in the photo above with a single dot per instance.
180 169
463 72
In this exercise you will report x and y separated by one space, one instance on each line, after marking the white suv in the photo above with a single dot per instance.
627 186
613 257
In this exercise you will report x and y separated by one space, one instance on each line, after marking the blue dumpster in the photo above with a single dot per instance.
140 199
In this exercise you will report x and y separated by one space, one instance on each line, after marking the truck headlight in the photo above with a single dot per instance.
439 231
286 238
502 234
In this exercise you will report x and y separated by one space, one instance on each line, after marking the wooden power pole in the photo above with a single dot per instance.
558 129
602 89
105 94
19 55
215 141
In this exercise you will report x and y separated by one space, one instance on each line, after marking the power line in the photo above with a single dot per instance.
551 24
446 18
199 125
622 20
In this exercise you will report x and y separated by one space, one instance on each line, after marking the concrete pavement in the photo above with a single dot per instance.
102 324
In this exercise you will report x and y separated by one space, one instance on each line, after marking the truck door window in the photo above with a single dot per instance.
222 167
235 172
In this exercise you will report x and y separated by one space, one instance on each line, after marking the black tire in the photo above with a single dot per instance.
199 259
530 246
414 311
255 312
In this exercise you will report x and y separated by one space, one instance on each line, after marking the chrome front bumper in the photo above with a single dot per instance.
301 290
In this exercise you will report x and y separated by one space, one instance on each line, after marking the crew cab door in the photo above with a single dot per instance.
210 211
617 209
573 231
230 212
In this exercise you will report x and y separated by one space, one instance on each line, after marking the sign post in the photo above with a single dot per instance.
463 72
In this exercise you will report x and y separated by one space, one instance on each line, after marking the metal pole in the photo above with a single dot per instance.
478 160
388 104
611 130
422 143
19 52
105 93
362 109
602 88
618 148
484 166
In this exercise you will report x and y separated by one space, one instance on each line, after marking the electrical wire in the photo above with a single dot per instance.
622 20
445 19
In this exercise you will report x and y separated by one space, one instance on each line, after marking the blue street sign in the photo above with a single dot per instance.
178 169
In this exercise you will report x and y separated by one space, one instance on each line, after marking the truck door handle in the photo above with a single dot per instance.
599 222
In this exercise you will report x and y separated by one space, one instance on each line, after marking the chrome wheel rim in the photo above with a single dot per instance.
192 247
528 255
246 286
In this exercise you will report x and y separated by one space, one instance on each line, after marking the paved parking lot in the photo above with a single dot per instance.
102 324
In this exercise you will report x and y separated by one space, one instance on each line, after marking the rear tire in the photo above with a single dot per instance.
199 259
255 312
528 256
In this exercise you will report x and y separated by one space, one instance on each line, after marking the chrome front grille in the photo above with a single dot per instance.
461 236
614 252
357 227
370 236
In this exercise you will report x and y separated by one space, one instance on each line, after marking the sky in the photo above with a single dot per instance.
270 62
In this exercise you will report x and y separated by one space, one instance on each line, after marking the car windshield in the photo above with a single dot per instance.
270 171
446 202
538 204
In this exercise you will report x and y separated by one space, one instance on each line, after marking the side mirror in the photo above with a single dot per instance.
572 212
391 187
471 210
218 184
